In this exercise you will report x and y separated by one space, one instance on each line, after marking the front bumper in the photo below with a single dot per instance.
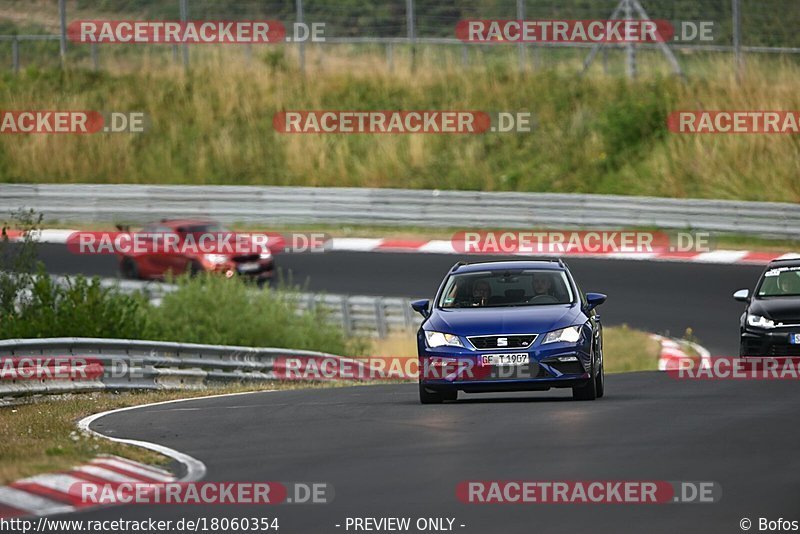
264 271
766 343
559 365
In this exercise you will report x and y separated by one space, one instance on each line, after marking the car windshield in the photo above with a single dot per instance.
204 228
780 282
491 289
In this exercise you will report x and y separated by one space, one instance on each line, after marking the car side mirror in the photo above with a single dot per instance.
422 307
743 295
594 300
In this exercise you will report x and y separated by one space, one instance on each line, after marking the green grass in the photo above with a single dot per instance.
41 436
627 350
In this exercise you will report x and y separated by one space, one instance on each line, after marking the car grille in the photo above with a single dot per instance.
249 257
514 341
758 347
784 350
521 372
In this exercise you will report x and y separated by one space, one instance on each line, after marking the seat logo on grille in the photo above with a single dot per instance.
502 341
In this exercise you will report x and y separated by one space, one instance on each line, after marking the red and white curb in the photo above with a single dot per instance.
59 493
444 246
55 493
674 354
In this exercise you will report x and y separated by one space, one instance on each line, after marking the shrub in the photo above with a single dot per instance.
215 310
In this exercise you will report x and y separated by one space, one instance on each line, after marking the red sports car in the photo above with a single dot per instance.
155 263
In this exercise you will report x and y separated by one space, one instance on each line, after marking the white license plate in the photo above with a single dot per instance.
505 359
794 339
249 267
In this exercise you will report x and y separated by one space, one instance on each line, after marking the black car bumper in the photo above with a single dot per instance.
768 343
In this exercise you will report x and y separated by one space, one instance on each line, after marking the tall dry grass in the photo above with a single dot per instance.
598 134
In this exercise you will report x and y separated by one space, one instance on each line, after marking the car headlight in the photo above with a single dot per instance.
439 339
265 255
216 259
570 334
759 321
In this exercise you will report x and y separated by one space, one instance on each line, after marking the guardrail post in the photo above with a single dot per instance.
15 54
408 318
380 318
347 323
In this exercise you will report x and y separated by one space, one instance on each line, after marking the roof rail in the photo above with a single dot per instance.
557 260
777 260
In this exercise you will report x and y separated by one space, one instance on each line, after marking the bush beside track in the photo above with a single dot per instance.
204 309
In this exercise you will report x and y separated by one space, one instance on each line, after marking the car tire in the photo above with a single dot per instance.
427 396
450 395
600 379
128 269
588 391
195 269
600 382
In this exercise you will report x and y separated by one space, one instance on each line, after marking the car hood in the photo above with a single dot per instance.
781 309
502 320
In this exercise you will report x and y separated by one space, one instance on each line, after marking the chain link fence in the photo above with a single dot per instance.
33 33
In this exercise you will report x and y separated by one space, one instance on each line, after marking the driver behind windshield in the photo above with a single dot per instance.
481 293
789 283
542 285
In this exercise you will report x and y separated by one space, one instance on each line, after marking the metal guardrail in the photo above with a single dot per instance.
357 314
134 364
397 207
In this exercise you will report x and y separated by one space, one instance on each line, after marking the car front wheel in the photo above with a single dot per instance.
427 396
128 269
589 390
600 382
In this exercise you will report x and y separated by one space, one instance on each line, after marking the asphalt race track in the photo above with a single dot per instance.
388 456
663 297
